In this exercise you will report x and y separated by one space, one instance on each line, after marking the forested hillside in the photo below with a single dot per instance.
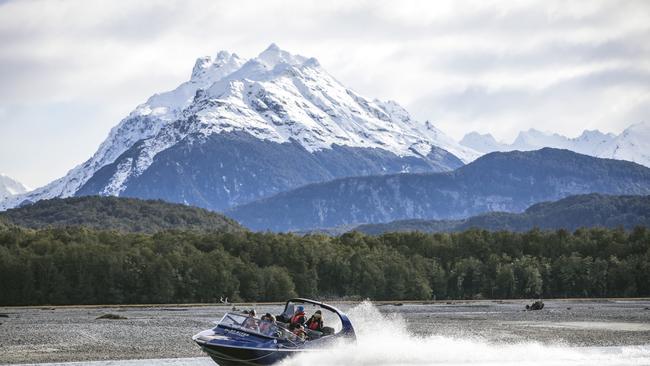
571 213
84 266
114 213
505 182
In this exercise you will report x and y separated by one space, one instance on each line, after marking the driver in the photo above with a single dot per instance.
251 322
267 324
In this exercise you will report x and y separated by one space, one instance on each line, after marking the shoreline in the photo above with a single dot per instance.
39 334
346 302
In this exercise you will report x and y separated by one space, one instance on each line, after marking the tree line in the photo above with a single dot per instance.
87 266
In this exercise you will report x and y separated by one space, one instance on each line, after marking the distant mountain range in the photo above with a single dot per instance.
633 144
10 187
571 213
280 144
510 181
116 213
240 130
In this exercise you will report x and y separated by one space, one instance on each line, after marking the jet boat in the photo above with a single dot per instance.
241 340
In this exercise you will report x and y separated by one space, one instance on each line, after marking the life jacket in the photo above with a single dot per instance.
296 318
313 324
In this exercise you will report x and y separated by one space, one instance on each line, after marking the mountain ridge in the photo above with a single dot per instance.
632 144
497 181
570 213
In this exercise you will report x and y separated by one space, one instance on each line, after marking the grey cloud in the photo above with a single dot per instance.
553 54
442 65
477 100
568 106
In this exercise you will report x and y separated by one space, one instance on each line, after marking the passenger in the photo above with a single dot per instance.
299 331
316 321
251 322
267 324
298 318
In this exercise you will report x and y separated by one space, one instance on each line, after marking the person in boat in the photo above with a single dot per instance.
251 322
267 324
315 322
299 331
298 318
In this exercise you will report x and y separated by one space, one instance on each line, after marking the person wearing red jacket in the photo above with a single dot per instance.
316 321
298 318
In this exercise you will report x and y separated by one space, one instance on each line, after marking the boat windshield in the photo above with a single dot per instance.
330 319
253 325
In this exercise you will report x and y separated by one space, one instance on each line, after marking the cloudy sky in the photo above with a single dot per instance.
71 70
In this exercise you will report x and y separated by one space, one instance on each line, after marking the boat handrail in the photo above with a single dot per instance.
238 326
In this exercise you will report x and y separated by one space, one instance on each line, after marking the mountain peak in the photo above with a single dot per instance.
201 64
274 55
10 187
475 134
273 47
225 55
205 68
484 143
591 134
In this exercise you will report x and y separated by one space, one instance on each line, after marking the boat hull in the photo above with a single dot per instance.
236 356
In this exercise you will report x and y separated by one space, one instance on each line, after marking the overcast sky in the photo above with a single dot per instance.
71 70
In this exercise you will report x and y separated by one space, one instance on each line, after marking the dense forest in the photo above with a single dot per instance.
77 265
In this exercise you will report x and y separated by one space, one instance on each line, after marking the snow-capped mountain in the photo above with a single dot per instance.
483 143
243 129
633 144
10 187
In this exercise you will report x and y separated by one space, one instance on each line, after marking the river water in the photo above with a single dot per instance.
613 333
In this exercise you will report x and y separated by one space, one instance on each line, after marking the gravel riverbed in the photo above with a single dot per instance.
62 334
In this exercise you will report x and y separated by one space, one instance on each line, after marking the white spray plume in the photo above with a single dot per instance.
386 340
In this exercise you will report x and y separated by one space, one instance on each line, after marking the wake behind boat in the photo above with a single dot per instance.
242 339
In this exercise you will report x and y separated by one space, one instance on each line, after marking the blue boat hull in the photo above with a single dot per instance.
231 356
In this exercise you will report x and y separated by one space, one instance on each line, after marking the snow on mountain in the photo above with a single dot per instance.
483 143
534 139
10 187
144 122
633 144
279 96
276 96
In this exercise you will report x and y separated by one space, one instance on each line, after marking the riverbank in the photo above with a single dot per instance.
72 333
